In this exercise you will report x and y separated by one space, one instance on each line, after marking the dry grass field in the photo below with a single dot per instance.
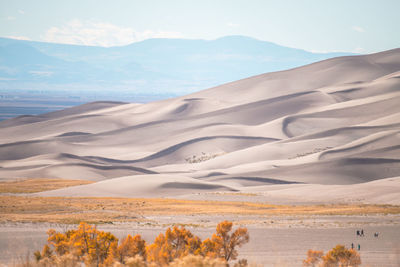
70 210
25 218
107 210
37 185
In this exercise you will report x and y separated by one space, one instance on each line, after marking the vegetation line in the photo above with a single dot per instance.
102 210
178 247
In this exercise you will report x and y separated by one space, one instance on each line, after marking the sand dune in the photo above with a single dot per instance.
384 191
323 130
141 186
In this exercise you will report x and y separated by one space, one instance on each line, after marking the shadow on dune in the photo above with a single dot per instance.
107 168
360 130
177 185
339 171
256 180
164 152
344 117
68 134
355 149
176 147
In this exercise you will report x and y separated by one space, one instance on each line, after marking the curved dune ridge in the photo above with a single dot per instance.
329 131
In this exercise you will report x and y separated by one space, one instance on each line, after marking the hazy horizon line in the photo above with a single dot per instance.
17 38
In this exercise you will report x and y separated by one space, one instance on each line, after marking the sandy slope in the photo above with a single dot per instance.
321 130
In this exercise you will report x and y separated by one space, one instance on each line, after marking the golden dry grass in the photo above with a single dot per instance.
235 194
37 185
103 210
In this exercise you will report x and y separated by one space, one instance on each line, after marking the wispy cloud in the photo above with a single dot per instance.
358 29
100 34
326 51
9 18
18 37
231 24
41 73
359 50
20 11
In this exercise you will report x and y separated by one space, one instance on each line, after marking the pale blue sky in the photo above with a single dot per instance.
315 25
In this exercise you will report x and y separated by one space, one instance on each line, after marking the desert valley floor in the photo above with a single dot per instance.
327 133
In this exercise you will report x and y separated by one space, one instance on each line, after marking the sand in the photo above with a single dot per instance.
274 241
328 131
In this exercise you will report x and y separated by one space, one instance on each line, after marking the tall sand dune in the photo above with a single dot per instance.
326 131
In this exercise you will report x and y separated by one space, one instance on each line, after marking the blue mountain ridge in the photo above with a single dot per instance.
165 66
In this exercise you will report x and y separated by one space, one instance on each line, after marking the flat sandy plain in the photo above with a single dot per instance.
274 240
320 136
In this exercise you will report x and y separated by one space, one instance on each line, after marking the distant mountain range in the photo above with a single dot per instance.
153 66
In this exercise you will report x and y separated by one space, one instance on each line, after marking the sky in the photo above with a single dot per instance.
360 26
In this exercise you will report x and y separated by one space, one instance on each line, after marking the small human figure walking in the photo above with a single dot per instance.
358 232
359 247
376 234
352 245
362 232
